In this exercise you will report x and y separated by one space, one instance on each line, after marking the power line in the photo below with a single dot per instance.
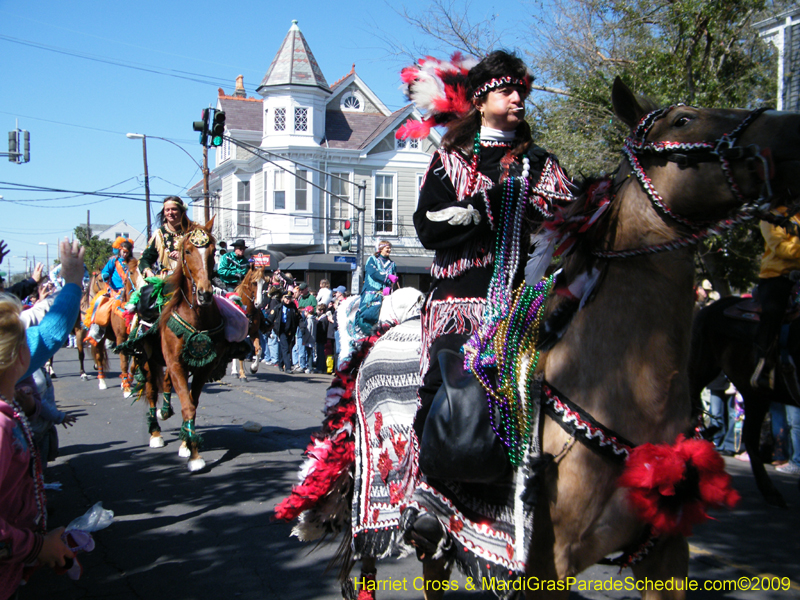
133 197
186 75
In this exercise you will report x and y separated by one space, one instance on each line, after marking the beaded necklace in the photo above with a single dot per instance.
509 326
36 464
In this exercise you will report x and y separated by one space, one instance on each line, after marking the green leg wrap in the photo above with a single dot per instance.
152 421
166 408
189 434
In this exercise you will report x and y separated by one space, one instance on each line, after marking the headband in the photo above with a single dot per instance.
499 82
179 202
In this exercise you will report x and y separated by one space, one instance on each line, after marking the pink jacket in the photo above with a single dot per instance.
18 543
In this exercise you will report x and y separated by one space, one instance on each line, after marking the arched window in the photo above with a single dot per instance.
352 102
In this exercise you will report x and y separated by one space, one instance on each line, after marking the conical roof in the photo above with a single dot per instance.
294 64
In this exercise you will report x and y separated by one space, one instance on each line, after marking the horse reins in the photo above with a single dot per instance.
684 154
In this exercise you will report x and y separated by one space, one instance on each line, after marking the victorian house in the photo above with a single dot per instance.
291 182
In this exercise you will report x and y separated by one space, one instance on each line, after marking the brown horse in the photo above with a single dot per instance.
720 343
252 291
191 339
116 332
622 358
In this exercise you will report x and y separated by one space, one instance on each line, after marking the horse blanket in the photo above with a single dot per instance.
491 526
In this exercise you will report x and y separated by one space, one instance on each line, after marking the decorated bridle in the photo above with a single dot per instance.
722 150
199 238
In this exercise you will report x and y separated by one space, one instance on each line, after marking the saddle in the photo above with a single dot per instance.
749 309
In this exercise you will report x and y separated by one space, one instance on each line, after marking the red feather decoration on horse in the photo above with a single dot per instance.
670 487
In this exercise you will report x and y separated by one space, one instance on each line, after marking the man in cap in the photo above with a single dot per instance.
233 266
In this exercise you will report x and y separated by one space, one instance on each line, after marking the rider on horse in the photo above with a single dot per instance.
781 257
233 266
162 247
115 275
478 205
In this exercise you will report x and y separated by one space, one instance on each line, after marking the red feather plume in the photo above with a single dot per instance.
671 487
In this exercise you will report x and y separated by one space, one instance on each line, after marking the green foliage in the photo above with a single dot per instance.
96 251
700 52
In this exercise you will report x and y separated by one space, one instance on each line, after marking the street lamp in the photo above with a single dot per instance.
143 137
47 254
137 136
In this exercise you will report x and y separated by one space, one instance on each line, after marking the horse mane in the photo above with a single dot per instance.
579 259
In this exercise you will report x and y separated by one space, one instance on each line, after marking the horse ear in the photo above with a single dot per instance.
626 105
210 225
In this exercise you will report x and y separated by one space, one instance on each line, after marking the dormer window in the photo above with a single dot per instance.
352 102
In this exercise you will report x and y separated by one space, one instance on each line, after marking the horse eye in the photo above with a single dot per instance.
682 121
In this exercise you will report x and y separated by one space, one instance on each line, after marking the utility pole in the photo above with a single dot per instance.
88 227
206 208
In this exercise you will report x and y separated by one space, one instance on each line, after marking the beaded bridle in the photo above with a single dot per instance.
722 150
199 239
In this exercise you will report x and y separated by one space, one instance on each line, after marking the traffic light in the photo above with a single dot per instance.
202 127
12 146
345 237
26 146
217 127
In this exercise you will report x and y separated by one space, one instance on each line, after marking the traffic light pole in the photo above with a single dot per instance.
206 208
361 212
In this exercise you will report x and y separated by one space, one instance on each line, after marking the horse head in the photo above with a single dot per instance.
701 166
254 285
197 264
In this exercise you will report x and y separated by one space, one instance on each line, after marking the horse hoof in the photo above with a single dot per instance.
102 384
254 367
196 465
85 377
164 415
242 377
184 451
126 393
157 442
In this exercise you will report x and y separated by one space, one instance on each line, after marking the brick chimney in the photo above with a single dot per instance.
239 92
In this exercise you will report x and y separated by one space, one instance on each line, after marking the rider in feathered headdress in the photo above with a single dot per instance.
484 191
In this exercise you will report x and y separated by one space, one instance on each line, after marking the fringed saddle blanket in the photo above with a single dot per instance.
385 446
490 525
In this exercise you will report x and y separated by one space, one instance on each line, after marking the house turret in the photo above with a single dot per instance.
295 93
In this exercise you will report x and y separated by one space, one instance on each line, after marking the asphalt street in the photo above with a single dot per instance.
211 535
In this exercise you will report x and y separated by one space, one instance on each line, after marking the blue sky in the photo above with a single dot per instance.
63 78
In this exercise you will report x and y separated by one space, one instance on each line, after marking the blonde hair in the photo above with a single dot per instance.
12 330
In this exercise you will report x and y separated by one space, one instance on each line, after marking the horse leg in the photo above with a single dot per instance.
50 368
166 408
436 573
79 337
100 363
193 439
234 366
364 586
755 409
242 376
667 560
190 440
124 365
151 392
256 353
